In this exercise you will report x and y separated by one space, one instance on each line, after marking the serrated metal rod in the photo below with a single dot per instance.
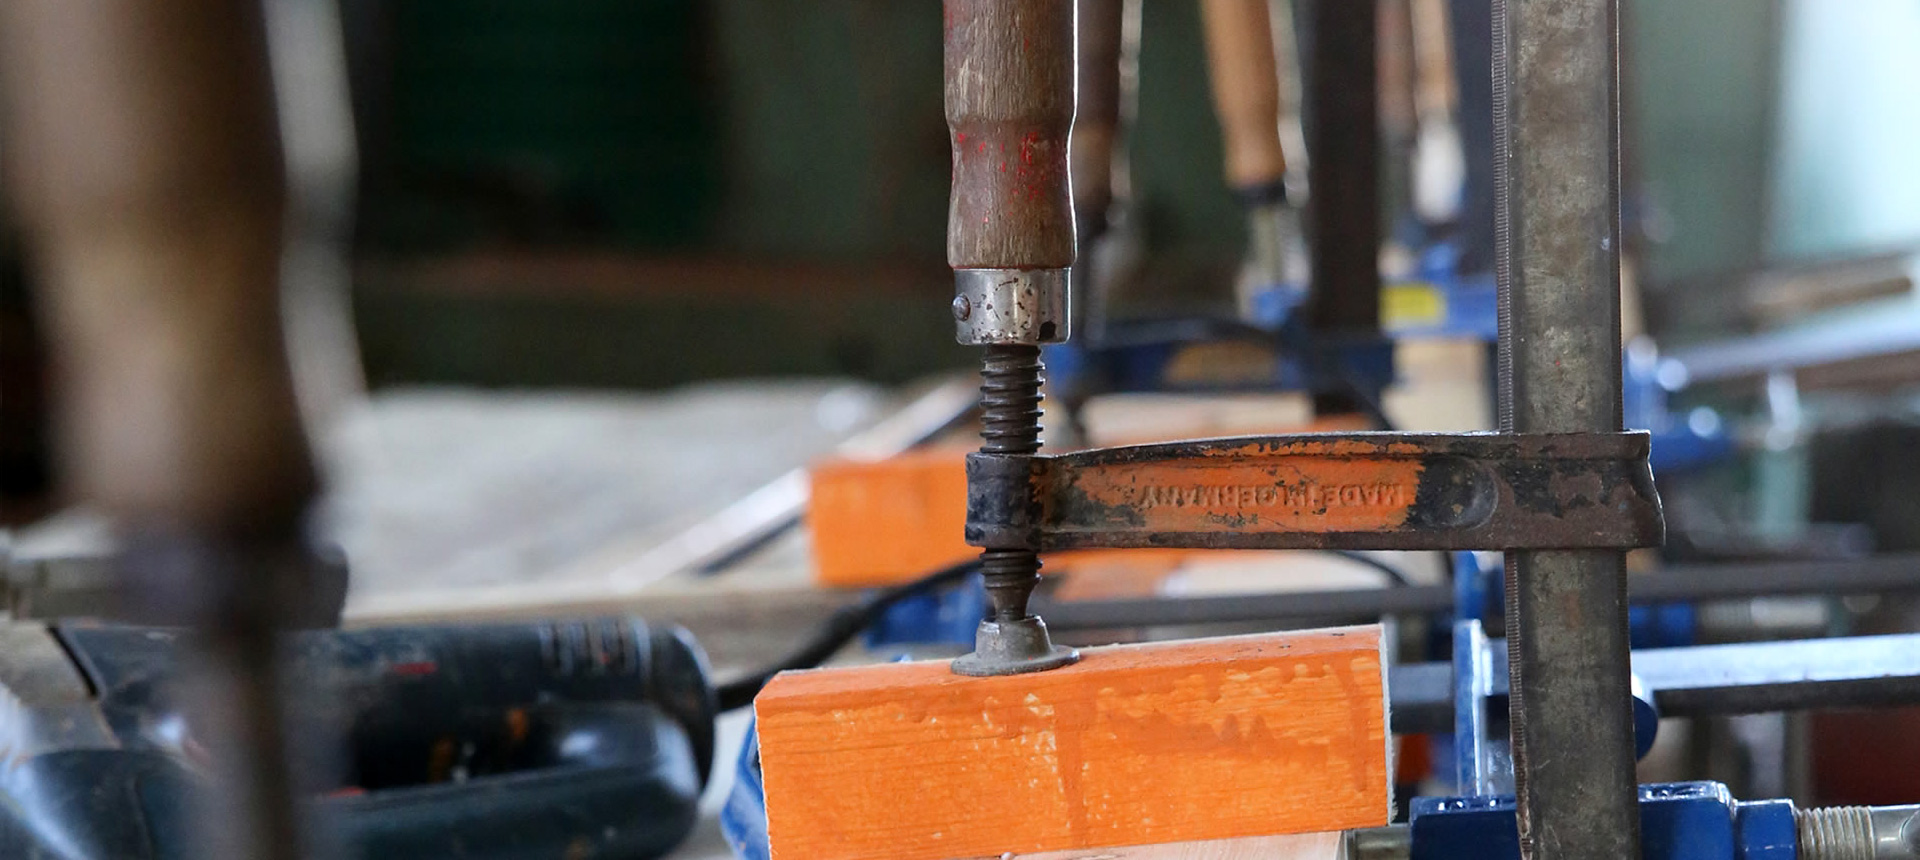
1557 263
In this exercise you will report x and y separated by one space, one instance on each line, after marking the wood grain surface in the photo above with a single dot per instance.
880 522
1306 846
1134 745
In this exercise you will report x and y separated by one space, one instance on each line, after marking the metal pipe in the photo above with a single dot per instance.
1711 680
1379 843
1690 583
1557 232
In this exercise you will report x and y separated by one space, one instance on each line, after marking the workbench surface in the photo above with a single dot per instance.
441 495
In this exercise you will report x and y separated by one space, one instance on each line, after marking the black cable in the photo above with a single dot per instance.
1397 576
1376 412
1370 405
842 627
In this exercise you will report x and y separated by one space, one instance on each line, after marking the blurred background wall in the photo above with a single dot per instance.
605 193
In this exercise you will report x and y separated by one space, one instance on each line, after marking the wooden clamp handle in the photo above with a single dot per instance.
1246 90
1010 92
1096 125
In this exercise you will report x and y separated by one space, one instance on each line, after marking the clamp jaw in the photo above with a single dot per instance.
1010 108
1010 240
1393 491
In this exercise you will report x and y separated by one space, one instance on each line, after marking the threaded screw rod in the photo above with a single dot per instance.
1010 380
1859 833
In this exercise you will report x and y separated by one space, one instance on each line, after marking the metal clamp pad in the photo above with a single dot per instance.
1393 491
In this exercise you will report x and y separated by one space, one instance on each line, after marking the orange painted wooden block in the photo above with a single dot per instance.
884 522
878 522
1305 846
1134 745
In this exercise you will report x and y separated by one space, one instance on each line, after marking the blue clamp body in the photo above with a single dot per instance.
1678 821
1680 442
947 616
743 820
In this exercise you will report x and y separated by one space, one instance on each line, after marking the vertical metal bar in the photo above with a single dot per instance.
1483 763
1343 142
1556 115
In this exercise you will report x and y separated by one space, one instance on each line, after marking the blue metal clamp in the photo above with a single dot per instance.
1678 821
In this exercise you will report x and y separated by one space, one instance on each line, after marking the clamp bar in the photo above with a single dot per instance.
1710 680
1394 491
1556 113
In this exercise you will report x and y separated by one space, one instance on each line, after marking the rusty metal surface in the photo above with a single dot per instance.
1344 491
1557 254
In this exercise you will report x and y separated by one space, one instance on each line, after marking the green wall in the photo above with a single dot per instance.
777 131
584 121
1700 79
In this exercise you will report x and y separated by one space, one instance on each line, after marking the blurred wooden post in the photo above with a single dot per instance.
146 158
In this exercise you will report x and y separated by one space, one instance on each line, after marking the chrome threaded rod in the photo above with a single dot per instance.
1859 833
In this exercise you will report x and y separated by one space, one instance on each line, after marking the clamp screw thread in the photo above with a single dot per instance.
1009 576
1836 833
1010 378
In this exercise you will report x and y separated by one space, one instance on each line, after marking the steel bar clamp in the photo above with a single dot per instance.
1364 491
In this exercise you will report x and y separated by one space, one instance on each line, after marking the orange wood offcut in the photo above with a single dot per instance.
1134 745
883 522
880 522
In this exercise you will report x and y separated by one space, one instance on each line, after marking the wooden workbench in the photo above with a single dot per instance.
469 505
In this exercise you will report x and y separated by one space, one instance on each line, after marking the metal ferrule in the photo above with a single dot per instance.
1010 307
